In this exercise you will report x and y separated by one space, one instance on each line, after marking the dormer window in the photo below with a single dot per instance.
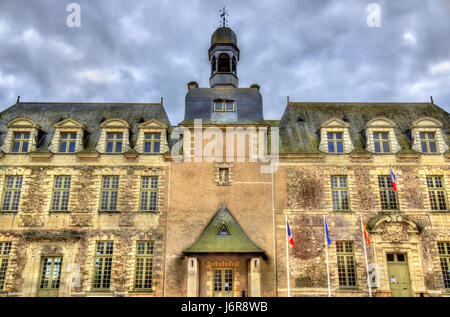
20 142
67 142
224 105
334 137
428 142
68 137
114 142
381 138
335 142
115 137
152 142
428 137
381 142
152 137
224 231
21 137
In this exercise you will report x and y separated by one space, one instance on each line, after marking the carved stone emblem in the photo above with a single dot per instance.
394 229
52 250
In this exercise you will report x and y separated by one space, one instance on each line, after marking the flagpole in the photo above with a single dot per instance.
287 259
326 248
365 255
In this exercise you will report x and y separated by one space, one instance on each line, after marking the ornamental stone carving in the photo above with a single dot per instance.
395 229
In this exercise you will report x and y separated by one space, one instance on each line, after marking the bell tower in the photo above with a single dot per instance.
223 56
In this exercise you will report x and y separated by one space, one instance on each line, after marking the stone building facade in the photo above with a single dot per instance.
110 199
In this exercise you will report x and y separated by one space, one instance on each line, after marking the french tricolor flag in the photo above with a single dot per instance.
393 180
289 233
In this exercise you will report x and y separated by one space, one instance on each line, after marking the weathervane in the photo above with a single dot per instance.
223 17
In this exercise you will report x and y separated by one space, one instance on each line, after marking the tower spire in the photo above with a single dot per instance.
223 17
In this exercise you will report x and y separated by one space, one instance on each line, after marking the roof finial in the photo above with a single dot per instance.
223 17
287 98
18 99
431 97
162 100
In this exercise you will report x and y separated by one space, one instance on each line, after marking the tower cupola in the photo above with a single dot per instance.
223 56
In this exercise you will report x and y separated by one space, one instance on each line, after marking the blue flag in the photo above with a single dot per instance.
328 234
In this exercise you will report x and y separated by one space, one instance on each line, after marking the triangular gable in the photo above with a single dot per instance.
334 123
211 241
153 123
69 123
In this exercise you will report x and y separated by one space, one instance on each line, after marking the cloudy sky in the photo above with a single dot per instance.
140 51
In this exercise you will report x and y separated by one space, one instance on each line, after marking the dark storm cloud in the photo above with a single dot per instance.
138 51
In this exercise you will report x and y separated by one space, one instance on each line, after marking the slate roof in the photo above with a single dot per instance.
303 137
211 242
199 104
46 114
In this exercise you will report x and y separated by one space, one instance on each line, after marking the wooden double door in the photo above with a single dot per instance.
223 282
399 279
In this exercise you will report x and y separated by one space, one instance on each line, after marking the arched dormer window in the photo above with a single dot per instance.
21 137
380 135
68 137
334 137
427 136
115 137
224 63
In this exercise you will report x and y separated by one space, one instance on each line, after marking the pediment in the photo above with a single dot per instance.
394 228
334 123
153 123
427 123
69 123
380 123
115 123
22 122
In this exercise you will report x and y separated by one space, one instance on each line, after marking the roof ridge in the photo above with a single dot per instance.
93 103
293 103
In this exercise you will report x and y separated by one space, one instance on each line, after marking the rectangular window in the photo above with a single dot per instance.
428 142
61 192
387 196
50 274
11 194
444 255
20 143
381 142
229 105
346 264
114 142
67 142
152 142
5 250
110 192
103 265
224 106
437 193
149 193
144 265
339 192
335 142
